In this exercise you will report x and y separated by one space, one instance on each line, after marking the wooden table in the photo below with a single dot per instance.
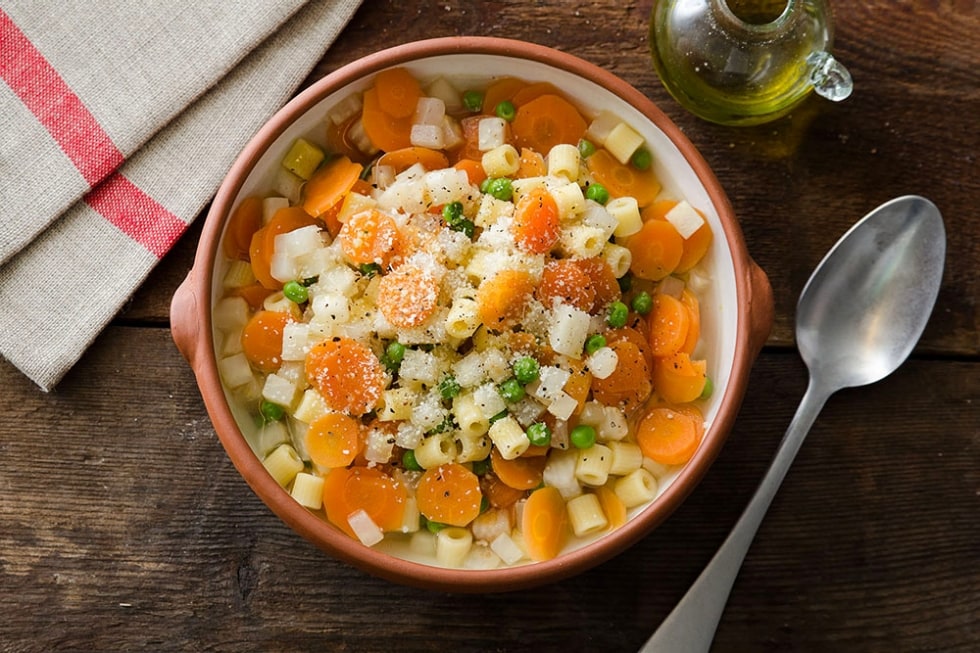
123 526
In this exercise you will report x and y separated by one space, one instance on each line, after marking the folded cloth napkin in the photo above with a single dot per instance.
119 121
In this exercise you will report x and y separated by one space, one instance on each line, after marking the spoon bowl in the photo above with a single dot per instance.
858 318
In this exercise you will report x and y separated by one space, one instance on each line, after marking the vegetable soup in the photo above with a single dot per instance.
465 321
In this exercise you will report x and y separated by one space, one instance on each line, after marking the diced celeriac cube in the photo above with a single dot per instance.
368 532
279 390
490 133
569 329
421 366
311 405
295 341
685 219
551 381
563 406
235 370
429 111
431 136
508 550
445 186
230 313
600 127
488 400
603 362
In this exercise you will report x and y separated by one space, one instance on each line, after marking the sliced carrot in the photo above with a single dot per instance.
634 335
263 243
347 374
694 329
536 226
245 220
408 296
623 180
579 384
369 237
254 294
503 89
602 280
473 169
406 157
449 494
677 378
564 281
329 185
398 92
339 138
502 299
498 493
695 247
657 210
544 523
331 217
612 506
532 164
667 436
547 121
384 130
347 490
629 384
532 92
262 339
669 322
656 250
334 440
521 473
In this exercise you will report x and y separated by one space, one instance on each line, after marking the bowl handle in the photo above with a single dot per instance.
185 321
761 307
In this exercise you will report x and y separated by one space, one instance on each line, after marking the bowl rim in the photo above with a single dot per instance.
324 535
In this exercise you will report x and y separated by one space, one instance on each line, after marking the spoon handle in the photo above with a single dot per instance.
690 627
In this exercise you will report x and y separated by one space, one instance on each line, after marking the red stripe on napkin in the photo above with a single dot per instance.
136 214
55 105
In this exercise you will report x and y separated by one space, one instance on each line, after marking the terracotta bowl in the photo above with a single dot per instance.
736 307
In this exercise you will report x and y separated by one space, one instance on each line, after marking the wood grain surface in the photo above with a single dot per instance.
124 527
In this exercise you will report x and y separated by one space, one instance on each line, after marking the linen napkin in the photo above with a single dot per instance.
118 122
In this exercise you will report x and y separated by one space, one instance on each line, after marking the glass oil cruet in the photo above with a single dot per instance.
745 62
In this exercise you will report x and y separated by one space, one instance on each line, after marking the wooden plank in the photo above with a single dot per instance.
123 526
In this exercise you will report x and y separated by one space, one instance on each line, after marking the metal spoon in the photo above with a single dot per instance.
857 320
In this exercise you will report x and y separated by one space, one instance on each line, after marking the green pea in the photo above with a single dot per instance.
594 343
484 504
526 370
708 389
618 315
466 227
452 213
582 436
586 148
395 352
539 434
449 387
597 193
511 390
500 188
294 291
642 303
473 100
641 159
271 412
506 110
410 462
434 526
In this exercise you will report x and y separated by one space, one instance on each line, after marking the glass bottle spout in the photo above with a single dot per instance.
830 79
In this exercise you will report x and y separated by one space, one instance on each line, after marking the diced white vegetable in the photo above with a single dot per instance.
443 89
269 436
563 405
230 313
295 341
429 111
685 219
279 390
489 400
505 547
378 446
481 556
559 472
270 205
431 136
235 370
596 215
569 329
599 128
421 366
368 532
490 133
311 405
345 109
447 185
603 362
551 381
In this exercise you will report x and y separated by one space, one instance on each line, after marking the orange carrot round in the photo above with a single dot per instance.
677 378
544 523
262 339
473 169
347 374
669 323
334 440
408 296
629 384
385 131
546 121
521 473
695 247
347 490
667 436
498 493
245 220
405 158
532 92
329 185
656 248
536 226
369 237
612 506
502 299
449 494
564 281
602 280
398 92
623 179
502 89
694 329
